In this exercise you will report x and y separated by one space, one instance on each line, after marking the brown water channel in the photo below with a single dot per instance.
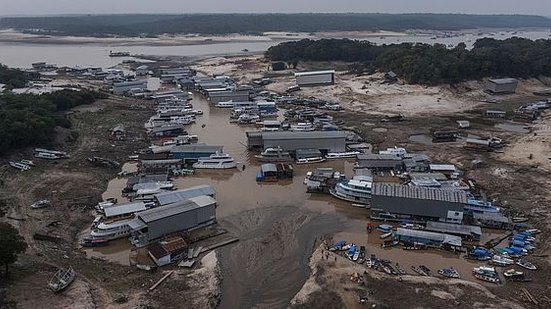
277 223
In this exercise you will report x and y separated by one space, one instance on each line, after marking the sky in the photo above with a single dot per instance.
54 7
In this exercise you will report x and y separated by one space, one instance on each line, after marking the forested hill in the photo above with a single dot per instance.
428 64
134 25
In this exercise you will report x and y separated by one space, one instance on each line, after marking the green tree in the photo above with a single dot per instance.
11 244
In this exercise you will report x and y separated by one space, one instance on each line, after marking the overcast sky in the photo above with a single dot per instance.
41 7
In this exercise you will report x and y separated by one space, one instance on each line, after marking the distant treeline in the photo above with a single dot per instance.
428 64
29 120
14 78
135 25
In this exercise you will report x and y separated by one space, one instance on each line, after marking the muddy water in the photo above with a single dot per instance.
277 223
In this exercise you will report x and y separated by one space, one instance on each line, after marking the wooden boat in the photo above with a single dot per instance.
526 264
62 279
449 273
425 269
399 269
419 271
389 243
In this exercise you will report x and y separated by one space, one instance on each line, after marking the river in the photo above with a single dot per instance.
22 55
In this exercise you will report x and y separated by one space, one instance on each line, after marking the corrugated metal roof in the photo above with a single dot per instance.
181 195
315 73
303 135
451 228
442 167
123 209
268 167
197 148
378 157
446 195
497 217
159 213
503 80
443 238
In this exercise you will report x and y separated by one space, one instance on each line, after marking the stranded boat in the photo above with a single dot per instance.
486 273
419 271
216 161
356 190
526 264
119 54
61 279
515 275
499 260
41 204
449 273
274 155
90 242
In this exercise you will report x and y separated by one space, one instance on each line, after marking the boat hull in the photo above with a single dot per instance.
359 200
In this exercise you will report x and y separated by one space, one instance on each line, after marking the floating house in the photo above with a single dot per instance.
430 239
324 141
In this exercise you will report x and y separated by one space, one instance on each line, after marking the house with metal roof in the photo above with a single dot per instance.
172 197
470 232
502 85
324 141
315 78
180 216
420 203
194 151
379 162
123 209
430 239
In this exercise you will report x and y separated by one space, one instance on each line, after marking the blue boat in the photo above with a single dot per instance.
352 250
338 245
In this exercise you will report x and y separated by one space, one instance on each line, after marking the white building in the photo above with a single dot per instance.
315 78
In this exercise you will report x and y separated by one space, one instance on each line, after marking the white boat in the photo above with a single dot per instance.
61 279
41 204
526 264
386 235
27 162
310 160
216 161
302 126
356 190
486 273
248 118
274 155
20 166
225 104
47 155
111 229
499 260
356 255
341 155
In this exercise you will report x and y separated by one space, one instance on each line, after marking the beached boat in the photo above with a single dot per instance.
119 54
90 242
356 256
27 162
274 155
390 243
341 155
400 269
20 166
449 272
355 190
425 269
310 160
486 273
386 235
499 260
248 119
41 204
526 264
216 161
62 279
419 271
111 229
302 127
515 275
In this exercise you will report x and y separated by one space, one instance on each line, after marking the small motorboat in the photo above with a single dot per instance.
515 275
526 264
61 279
389 243
449 273
425 269
399 269
41 204
419 271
